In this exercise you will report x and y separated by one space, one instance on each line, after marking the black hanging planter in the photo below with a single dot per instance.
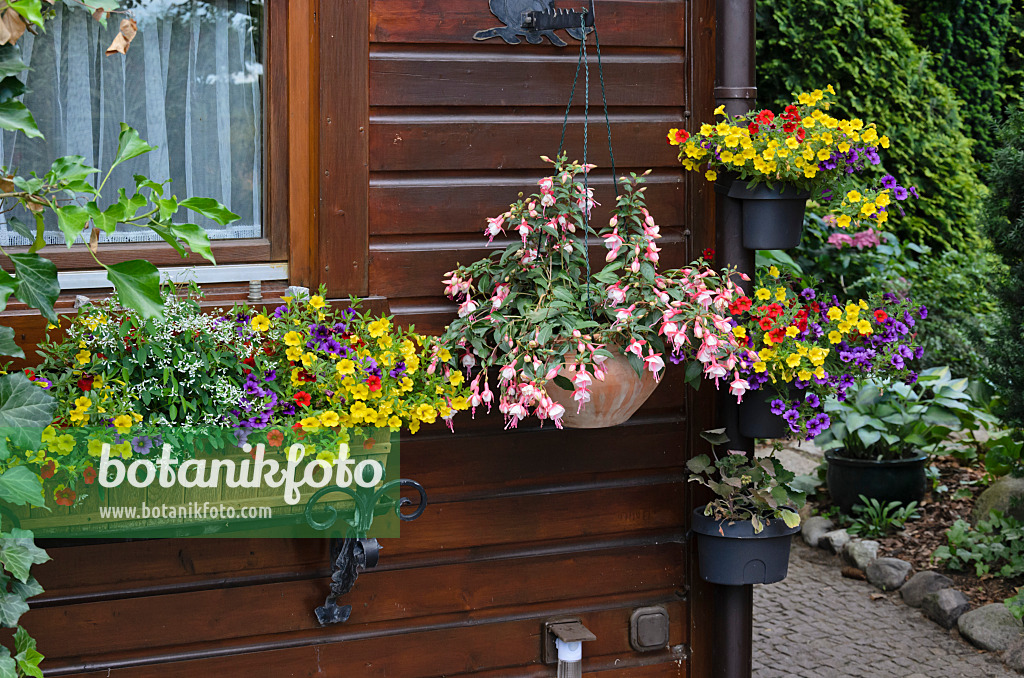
732 555
773 218
755 415
886 480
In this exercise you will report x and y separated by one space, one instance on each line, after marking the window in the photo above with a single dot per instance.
192 85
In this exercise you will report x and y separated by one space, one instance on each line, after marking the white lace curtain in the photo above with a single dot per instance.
191 84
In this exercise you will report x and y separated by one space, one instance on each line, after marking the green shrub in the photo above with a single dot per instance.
863 49
1004 218
968 40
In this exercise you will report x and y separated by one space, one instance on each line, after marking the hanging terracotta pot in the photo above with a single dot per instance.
773 218
612 401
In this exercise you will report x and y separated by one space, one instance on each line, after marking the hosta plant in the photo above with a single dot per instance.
536 306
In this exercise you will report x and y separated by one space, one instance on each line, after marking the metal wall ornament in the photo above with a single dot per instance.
536 20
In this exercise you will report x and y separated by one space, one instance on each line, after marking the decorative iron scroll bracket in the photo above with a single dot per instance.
357 552
536 20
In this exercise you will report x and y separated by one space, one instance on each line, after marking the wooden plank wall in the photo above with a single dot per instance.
523 526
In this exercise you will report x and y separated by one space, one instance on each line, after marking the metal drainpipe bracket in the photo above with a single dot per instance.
569 630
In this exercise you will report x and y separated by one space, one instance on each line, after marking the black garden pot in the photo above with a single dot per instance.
886 480
732 555
755 415
773 218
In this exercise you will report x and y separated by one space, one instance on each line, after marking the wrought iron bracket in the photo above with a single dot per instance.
356 551
536 20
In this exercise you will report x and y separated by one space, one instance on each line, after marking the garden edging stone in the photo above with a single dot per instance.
991 627
860 552
815 528
921 584
888 574
945 606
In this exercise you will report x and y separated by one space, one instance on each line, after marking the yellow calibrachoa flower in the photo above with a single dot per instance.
854 196
780 294
804 375
345 366
83 403
739 332
260 323
834 314
308 358
379 327
763 294
83 356
294 353
864 327
329 419
292 338
316 302
793 360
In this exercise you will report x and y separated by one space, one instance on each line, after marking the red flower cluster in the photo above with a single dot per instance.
86 381
792 117
373 382
679 137
740 305
303 399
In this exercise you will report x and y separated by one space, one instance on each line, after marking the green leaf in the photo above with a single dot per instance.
138 286
7 344
37 282
25 410
129 145
694 372
30 10
868 436
14 116
72 220
8 669
8 286
11 87
855 420
69 168
19 486
791 518
209 207
563 383
12 606
699 464
28 588
106 220
21 228
939 416
10 61
28 656
15 559
715 436
197 240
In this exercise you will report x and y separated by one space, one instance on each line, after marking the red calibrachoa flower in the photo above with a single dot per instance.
85 382
275 438
89 475
881 316
49 470
765 323
708 253
299 433
302 399
740 305
65 496
778 334
677 136
373 382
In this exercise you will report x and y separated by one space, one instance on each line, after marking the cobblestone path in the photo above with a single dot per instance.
817 624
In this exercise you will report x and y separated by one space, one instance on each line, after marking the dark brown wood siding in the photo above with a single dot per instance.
416 145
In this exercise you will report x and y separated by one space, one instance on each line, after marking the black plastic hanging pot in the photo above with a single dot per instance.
733 555
773 218
886 480
755 415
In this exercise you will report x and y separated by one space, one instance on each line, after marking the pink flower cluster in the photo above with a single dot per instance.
860 240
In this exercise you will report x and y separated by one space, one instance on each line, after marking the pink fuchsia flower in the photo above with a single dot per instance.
625 313
636 347
494 227
508 372
613 241
616 294
467 307
654 363
500 294
738 387
546 185
524 230
652 252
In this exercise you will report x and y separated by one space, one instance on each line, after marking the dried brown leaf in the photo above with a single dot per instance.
99 14
94 240
123 39
14 25
35 206
877 596
6 184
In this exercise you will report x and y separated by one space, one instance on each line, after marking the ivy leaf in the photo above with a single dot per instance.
37 282
7 344
8 669
69 168
196 239
72 220
8 286
21 486
138 286
14 116
12 606
31 10
27 589
10 61
129 145
28 657
15 559
106 220
25 410
21 228
209 207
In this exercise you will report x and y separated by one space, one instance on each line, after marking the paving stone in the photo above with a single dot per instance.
945 607
882 631
991 627
888 574
814 528
860 552
1014 655
921 584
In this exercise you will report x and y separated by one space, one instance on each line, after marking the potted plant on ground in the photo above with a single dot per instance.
883 434
579 347
743 534
774 163
807 349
